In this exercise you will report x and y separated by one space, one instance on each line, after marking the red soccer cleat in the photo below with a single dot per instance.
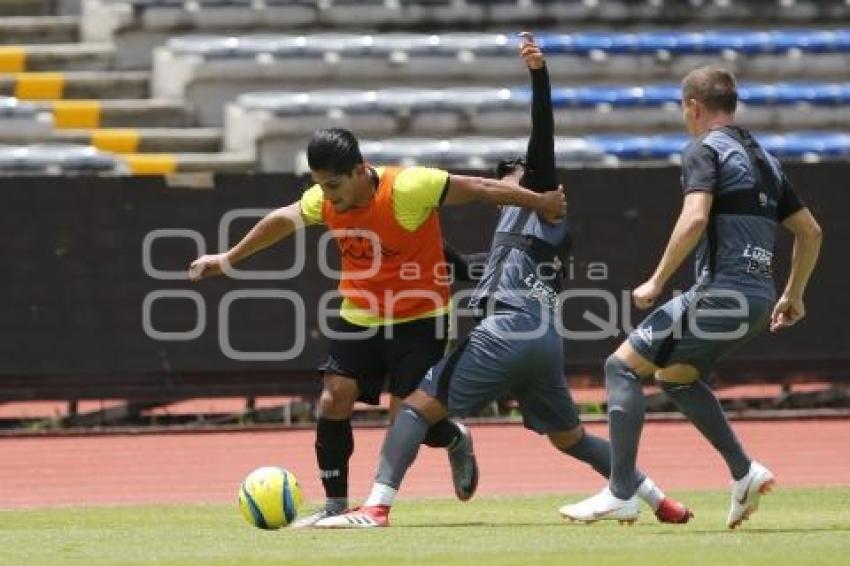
671 511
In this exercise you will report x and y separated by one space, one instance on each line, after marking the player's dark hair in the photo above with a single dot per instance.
713 86
507 166
335 150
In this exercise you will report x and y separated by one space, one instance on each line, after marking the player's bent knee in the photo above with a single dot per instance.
395 405
566 439
429 407
677 374
632 359
338 397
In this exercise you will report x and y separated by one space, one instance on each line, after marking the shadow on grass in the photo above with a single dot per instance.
468 524
759 531
643 529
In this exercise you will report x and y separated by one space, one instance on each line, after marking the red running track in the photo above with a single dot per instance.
207 467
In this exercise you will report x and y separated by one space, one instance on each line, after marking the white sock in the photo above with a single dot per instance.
650 493
381 495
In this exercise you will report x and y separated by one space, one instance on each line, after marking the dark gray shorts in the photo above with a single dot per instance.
499 359
699 327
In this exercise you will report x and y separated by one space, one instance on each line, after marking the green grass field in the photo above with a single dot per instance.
794 526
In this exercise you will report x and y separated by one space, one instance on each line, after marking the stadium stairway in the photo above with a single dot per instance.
39 29
79 97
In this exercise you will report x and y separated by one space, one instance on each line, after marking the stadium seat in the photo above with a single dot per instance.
812 145
471 152
206 68
56 159
12 108
23 120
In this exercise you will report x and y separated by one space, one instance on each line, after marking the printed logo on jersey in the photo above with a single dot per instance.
759 260
357 245
540 291
645 334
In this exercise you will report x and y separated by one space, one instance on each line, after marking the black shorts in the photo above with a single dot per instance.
397 355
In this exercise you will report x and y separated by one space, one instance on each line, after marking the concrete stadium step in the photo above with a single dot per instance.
169 163
26 7
145 140
102 85
39 29
148 113
56 57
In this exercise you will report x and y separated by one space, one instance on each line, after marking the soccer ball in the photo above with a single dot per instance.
269 498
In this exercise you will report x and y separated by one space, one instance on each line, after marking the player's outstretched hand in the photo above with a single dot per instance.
787 312
647 293
530 51
553 205
206 266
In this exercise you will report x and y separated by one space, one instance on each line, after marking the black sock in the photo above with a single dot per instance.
334 446
442 434
697 402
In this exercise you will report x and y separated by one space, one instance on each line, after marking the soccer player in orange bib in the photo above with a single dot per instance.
395 293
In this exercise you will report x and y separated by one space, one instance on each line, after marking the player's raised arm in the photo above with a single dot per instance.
550 205
272 228
789 308
540 155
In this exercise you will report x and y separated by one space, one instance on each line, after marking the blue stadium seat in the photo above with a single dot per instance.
812 93
343 43
282 103
410 43
55 159
405 150
11 107
280 46
670 42
486 98
756 94
667 146
480 152
659 95
342 100
207 46
624 146
820 144
408 99
496 44
587 42
482 99
737 40
795 145
453 44
812 41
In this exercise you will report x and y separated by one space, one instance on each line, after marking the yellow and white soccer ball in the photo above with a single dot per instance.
269 497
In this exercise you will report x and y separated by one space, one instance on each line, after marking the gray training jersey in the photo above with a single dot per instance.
512 276
736 251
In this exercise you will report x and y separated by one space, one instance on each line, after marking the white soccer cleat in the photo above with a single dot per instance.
313 518
361 518
746 493
604 506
